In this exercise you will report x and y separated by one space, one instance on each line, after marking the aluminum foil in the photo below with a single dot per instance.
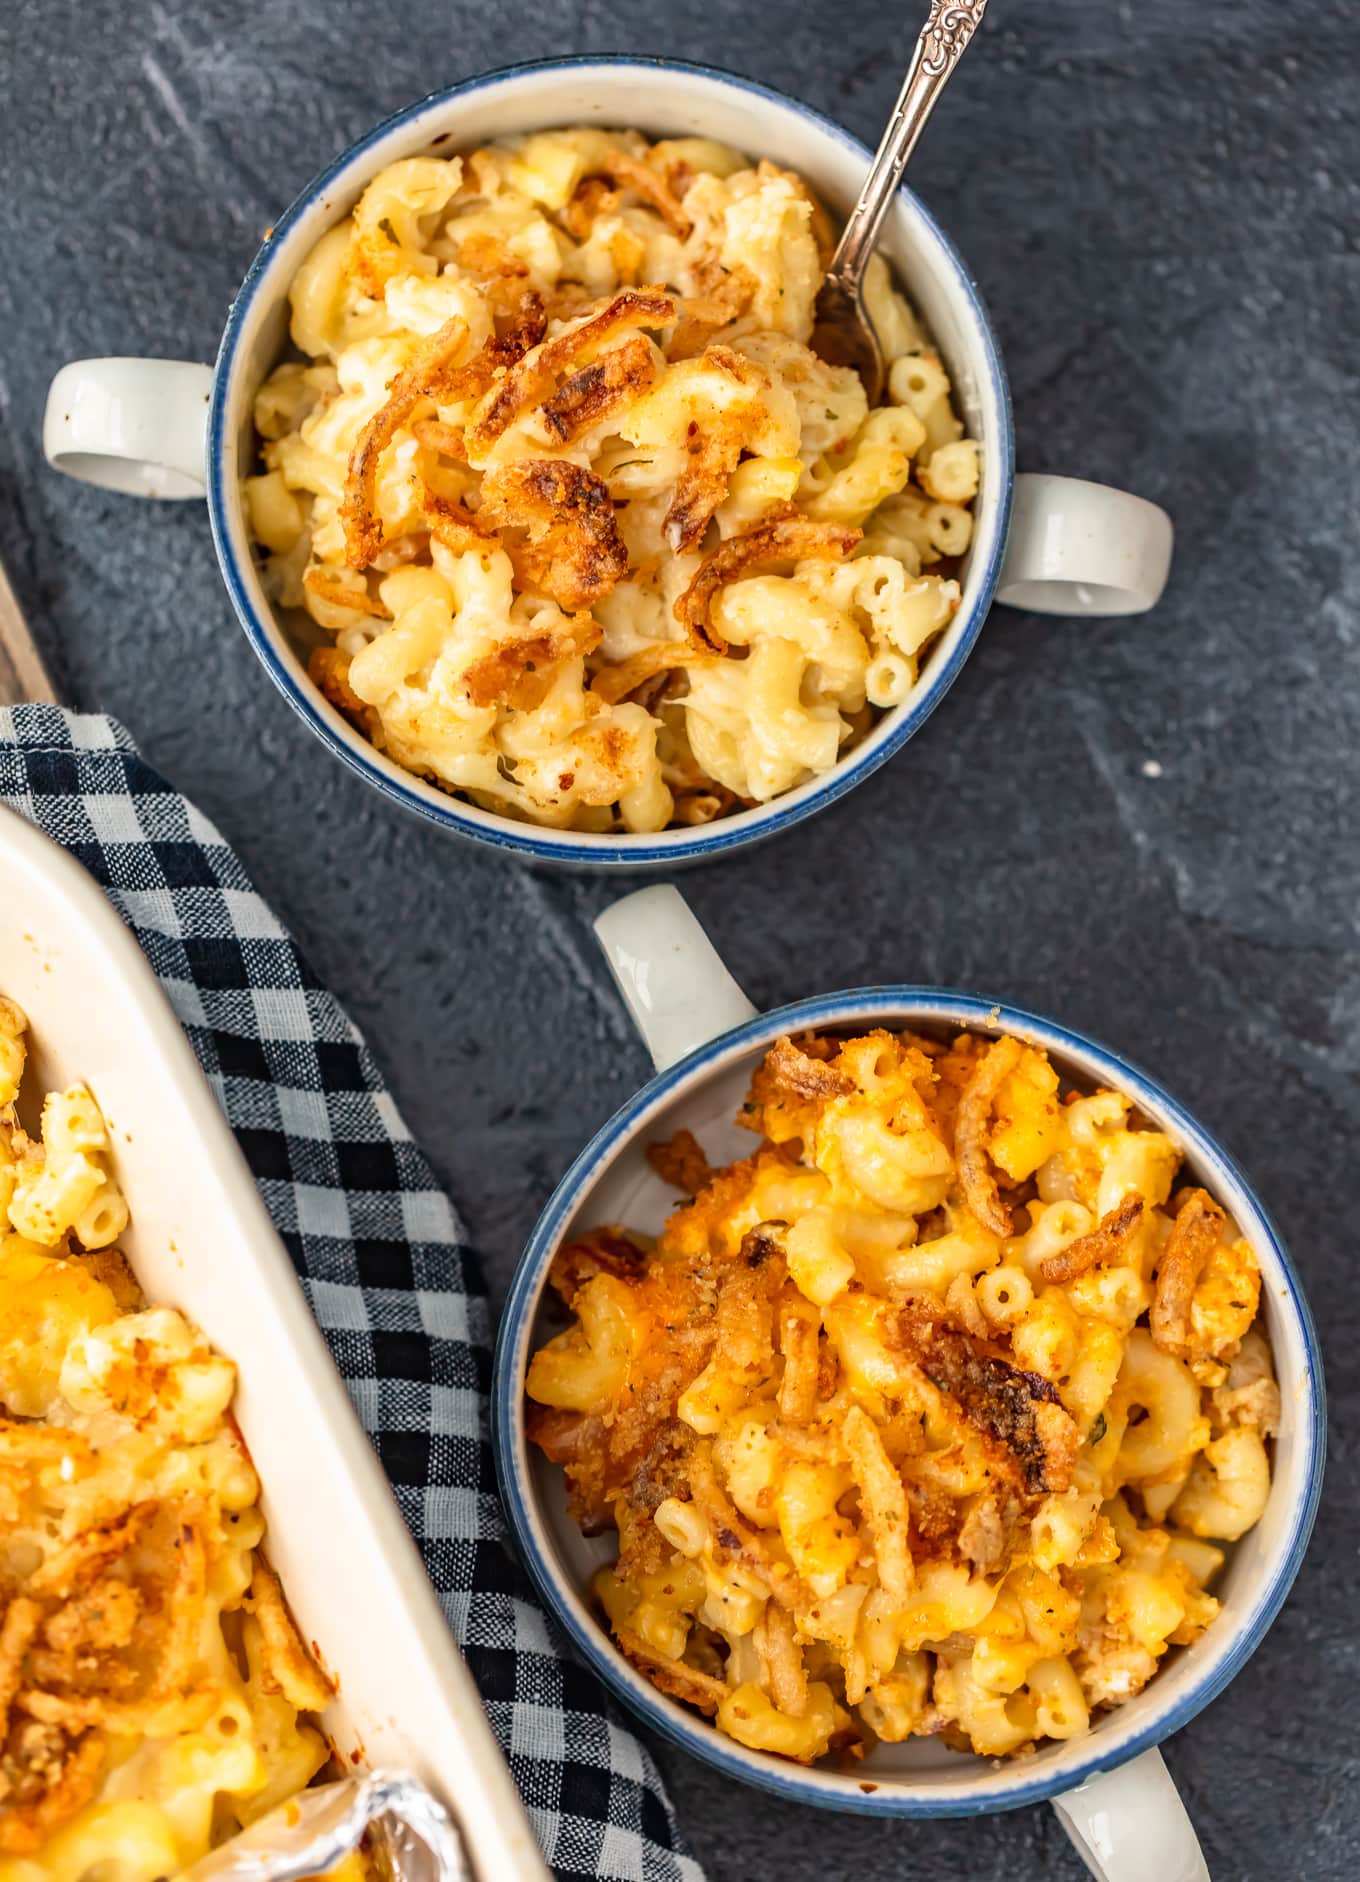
413 1838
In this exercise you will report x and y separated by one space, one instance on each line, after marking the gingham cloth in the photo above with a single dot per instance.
381 1254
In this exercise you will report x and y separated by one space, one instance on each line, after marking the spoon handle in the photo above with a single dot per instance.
941 45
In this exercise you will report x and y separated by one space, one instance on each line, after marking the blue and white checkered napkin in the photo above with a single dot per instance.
383 1259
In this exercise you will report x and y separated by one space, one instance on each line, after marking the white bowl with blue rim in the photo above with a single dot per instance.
172 429
1110 1787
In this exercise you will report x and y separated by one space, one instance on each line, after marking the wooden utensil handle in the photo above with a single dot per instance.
22 673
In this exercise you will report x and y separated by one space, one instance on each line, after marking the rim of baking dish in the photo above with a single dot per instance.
533 842
894 1796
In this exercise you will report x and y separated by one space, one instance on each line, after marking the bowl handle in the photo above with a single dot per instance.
1077 548
671 976
135 425
1129 1824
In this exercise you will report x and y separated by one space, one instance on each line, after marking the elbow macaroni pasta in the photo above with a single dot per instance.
154 1694
501 475
926 1418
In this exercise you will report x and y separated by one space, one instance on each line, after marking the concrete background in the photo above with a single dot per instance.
1161 204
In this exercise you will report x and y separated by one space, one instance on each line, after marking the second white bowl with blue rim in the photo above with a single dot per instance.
1110 1787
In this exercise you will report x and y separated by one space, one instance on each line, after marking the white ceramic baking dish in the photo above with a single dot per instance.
201 1240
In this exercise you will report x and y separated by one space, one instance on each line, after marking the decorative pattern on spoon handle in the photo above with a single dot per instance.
950 26
939 47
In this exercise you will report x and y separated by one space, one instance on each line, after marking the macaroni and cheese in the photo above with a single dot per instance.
930 1417
154 1693
592 536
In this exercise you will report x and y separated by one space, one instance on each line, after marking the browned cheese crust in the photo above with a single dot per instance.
571 550
1018 1412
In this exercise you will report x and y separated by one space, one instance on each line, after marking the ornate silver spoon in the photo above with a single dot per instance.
844 332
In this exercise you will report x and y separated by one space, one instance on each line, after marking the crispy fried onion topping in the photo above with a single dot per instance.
1017 1412
1195 1233
82 1560
783 535
735 1537
485 254
429 369
806 1077
286 1665
534 377
571 549
1105 1244
328 670
632 173
592 393
681 1162
970 1133
430 375
799 1329
663 1471
106 1638
519 673
600 1251
675 1677
523 326
713 448
592 199
649 663
455 525
21 1622
722 296
153 1681
435 435
882 1500
46 1776
780 1648
986 1535
326 588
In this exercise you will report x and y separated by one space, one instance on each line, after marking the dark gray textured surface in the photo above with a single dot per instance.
1160 202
